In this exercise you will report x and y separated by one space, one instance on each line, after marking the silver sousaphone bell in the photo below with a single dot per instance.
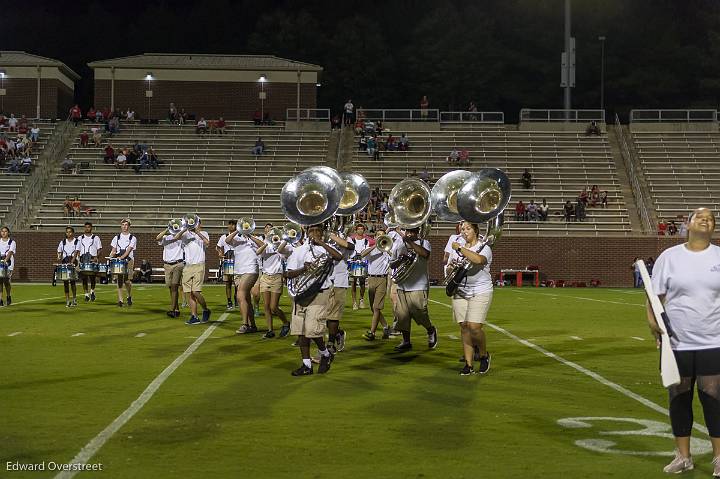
313 196
444 195
176 225
245 226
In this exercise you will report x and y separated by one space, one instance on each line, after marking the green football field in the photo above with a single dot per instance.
573 391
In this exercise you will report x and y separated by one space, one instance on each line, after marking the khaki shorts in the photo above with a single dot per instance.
377 290
310 321
336 304
245 280
271 283
411 305
173 273
473 309
192 277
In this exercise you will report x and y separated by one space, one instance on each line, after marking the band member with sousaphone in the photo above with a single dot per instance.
124 245
67 253
173 263
246 270
8 248
90 246
225 253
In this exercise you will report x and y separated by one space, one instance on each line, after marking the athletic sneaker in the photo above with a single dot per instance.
302 371
229 306
206 316
355 307
92 295
716 463
269 334
73 303
432 337
193 320
679 464
171 314
1 303
87 298
484 364
370 336
129 301
341 340
67 304
386 333
325 362
467 370
119 304
284 330
252 329
362 304
402 347
332 348
244 329
9 301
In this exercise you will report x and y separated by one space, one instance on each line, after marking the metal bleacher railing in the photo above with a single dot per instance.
473 116
399 114
685 116
308 114
528 114
627 153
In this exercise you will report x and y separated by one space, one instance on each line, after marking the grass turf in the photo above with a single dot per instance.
233 410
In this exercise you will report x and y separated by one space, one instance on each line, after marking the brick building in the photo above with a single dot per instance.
35 86
205 85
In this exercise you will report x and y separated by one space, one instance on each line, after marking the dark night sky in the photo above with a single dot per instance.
503 54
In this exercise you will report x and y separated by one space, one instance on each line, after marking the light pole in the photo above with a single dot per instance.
262 80
2 91
148 92
602 71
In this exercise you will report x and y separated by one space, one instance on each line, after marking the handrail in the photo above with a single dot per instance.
529 114
676 115
629 161
398 114
308 114
473 116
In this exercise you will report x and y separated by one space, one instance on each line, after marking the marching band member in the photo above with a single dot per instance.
361 244
246 275
8 248
394 234
225 251
472 300
308 319
193 274
338 292
123 247
255 290
173 264
90 245
412 292
378 266
67 253
270 284
456 237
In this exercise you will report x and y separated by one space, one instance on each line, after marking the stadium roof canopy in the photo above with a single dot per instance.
23 59
206 62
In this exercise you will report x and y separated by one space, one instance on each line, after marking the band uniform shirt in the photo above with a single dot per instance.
122 242
478 279
194 247
90 245
67 248
690 281
361 244
172 249
272 259
307 254
246 259
378 262
223 245
340 272
417 280
6 247
454 238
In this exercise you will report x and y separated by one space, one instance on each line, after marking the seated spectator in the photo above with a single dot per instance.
379 128
527 179
453 156
267 120
682 230
531 211
359 126
12 124
425 176
363 142
580 211
13 165
335 123
519 211
390 143
34 133
75 115
76 205
604 198
173 114
593 129
96 135
99 116
543 210
114 125
371 147
67 165
569 211
376 148
109 154
672 229
145 273
201 126
584 196
220 125
464 157
662 228
183 116
90 115
403 143
67 207
26 164
212 126
259 147
594 196
154 160
257 118
369 127
121 160
143 162
130 115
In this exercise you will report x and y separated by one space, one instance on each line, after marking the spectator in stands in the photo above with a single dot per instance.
403 143
34 133
682 230
453 156
604 198
672 228
584 196
13 165
90 115
26 164
472 109
362 142
121 160
259 147
67 165
109 154
424 175
580 211
76 205
348 113
527 179
114 125
267 120
424 105
182 116
594 196
257 118
130 115
662 228
531 211
67 207
379 128
569 211
173 114
154 160
390 144
145 273
543 210
359 127
97 136
520 211
12 123
143 162
75 114
593 129
464 157
201 126
220 125
371 146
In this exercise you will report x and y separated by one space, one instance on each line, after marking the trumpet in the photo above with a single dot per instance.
176 225
292 234
191 221
275 236
384 243
245 226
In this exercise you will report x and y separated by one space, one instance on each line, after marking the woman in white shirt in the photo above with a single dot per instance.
8 248
472 300
686 277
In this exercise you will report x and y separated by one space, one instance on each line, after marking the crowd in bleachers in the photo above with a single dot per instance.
17 139
570 211
671 228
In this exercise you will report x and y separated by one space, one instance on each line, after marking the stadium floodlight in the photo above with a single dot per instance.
263 78
2 73
149 76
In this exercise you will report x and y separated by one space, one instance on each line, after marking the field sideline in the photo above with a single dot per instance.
573 390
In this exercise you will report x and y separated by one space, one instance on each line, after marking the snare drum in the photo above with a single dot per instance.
88 268
228 267
65 272
4 270
118 267
358 268
101 269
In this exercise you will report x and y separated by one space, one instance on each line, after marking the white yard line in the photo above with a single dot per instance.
16 333
580 297
140 335
99 441
576 338
638 338
77 334
48 298
622 390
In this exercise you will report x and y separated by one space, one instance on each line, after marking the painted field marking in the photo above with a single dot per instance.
48 298
637 338
622 390
140 335
77 334
92 447
16 333
452 336
581 297
576 338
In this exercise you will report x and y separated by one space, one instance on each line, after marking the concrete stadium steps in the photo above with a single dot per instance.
682 170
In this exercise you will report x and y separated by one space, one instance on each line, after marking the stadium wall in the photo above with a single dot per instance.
566 258
56 98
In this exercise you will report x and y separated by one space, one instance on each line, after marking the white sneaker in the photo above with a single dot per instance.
355 306
679 464
362 304
716 463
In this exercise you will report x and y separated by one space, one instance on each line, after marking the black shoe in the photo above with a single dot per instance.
332 348
285 330
467 370
341 340
325 362
87 298
252 329
171 314
120 304
177 313
484 364
129 301
92 296
369 336
386 333
1 303
402 347
432 337
269 334
302 371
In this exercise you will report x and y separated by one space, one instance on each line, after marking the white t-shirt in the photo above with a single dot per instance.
272 260
90 244
246 260
172 249
454 238
349 107
378 262
194 246
68 247
223 245
361 244
478 280
307 254
339 273
8 246
690 281
122 242
418 278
